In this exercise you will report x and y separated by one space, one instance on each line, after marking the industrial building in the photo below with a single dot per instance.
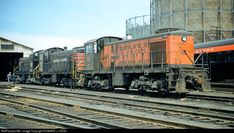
10 53
209 20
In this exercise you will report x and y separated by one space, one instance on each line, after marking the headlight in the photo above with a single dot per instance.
184 38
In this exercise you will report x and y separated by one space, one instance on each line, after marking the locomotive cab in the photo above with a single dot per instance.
93 56
93 49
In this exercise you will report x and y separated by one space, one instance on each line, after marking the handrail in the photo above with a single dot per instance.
15 68
75 69
36 71
198 58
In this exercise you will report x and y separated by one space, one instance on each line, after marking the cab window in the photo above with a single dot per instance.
89 48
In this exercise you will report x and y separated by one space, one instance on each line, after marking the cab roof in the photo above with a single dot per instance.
94 40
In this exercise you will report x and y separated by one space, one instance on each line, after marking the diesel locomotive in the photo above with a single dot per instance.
161 62
53 66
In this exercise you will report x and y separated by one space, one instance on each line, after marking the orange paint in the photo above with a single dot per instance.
167 50
180 52
215 49
79 59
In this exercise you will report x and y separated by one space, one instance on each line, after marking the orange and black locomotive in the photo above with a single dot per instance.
162 62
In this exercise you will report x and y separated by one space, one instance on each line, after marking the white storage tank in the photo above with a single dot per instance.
209 20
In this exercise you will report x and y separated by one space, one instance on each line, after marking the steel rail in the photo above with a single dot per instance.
98 123
104 124
39 119
92 96
100 98
147 118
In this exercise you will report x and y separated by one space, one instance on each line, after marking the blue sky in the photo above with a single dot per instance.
41 24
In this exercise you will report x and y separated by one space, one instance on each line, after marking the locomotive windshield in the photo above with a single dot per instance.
89 48
96 45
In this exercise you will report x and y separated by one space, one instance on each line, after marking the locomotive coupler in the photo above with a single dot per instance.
194 79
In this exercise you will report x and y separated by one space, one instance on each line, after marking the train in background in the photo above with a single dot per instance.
27 66
53 66
218 56
162 62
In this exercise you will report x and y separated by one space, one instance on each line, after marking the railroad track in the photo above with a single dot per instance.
76 118
14 121
215 96
223 96
125 101
211 116
21 110
211 97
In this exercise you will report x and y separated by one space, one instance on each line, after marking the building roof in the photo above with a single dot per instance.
16 43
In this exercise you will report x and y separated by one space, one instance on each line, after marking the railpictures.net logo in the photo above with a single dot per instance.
33 131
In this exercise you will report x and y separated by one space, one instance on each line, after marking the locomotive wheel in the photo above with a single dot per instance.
127 88
141 91
111 88
163 91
